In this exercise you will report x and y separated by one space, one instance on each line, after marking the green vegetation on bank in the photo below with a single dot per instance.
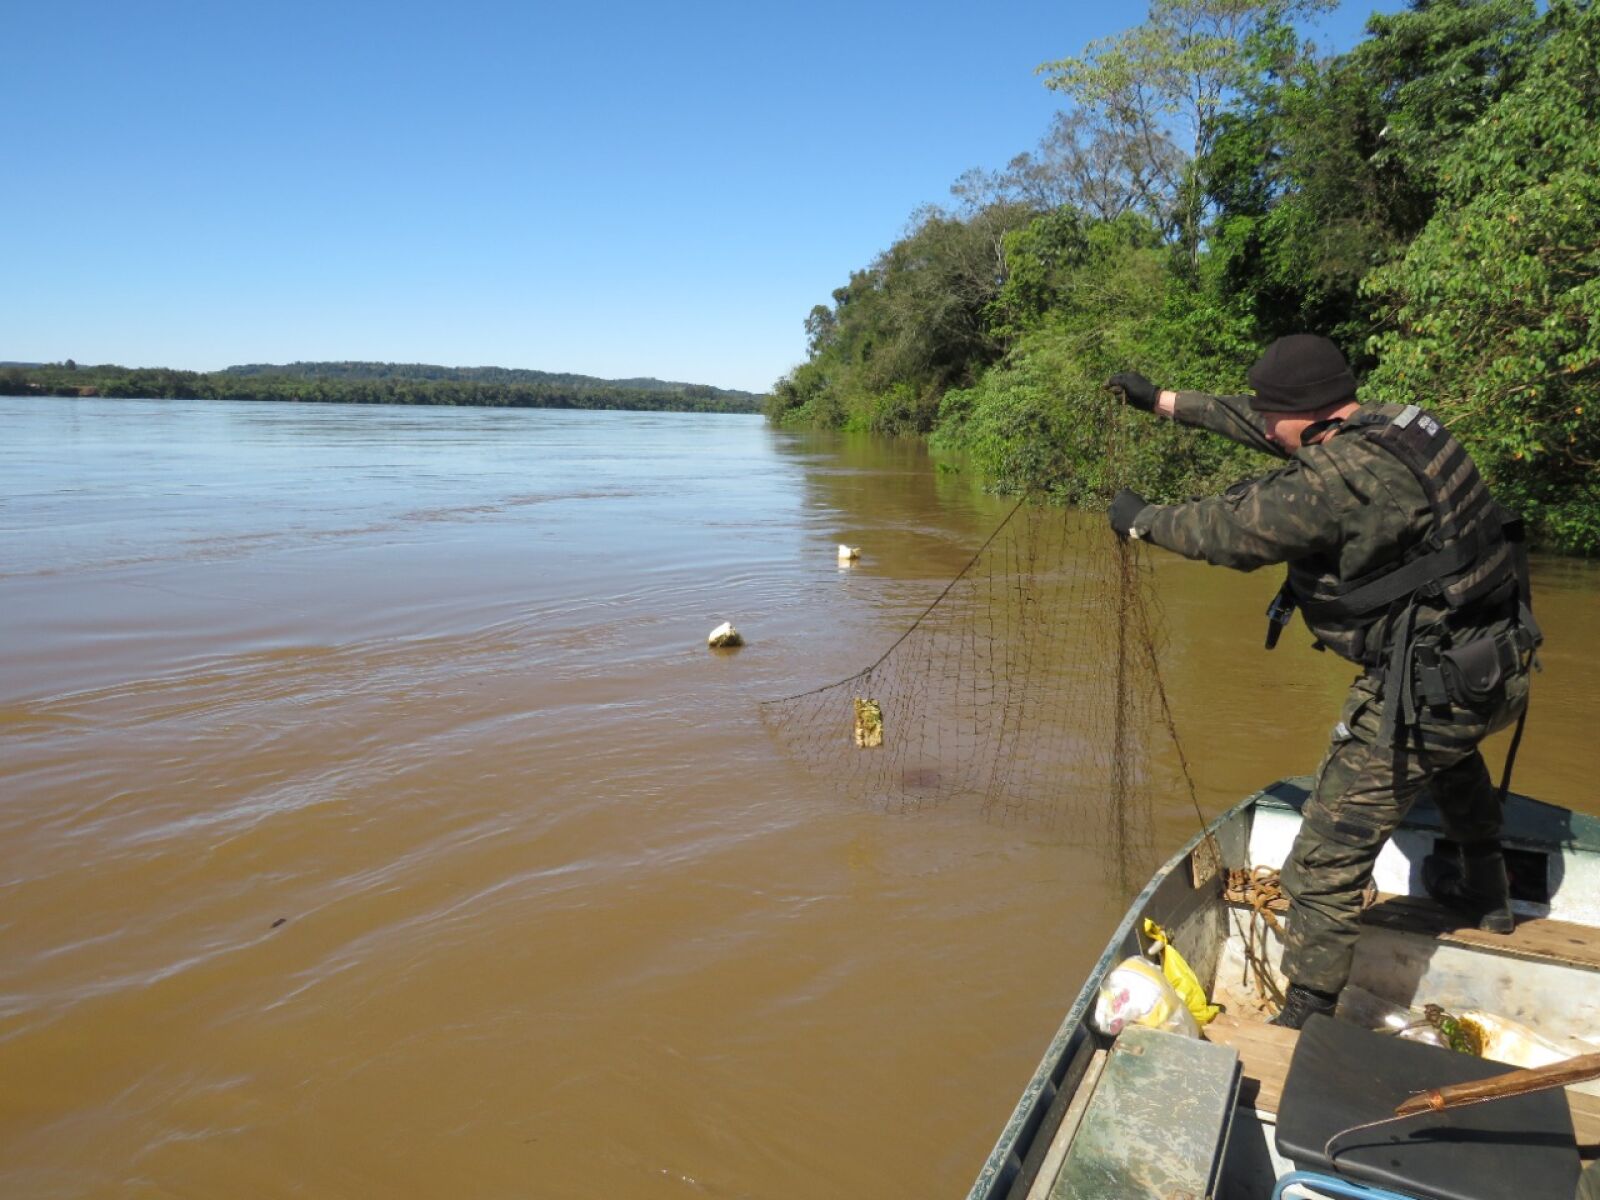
375 383
1430 200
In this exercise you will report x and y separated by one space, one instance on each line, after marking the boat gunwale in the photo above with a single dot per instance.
997 1174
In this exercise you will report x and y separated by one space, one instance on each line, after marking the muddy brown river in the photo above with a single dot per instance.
374 821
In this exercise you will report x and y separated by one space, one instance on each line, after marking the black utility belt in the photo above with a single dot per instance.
1469 674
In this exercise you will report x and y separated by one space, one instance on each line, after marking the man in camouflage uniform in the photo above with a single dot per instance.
1400 561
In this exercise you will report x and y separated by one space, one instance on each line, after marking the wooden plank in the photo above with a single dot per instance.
1051 1167
1586 1123
1536 938
1264 1053
1265 1050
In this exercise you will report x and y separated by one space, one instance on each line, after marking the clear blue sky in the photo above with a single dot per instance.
616 189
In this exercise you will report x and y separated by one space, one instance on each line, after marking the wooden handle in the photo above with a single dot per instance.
1517 1083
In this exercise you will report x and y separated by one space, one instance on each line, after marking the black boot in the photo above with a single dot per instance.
1300 1004
1475 887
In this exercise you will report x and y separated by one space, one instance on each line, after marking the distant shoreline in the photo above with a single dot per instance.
375 383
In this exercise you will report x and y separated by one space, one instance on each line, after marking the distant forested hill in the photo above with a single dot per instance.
375 383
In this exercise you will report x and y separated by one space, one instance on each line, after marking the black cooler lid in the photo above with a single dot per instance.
1342 1075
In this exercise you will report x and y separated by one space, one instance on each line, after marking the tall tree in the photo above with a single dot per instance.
1321 172
1493 315
1169 78
1086 162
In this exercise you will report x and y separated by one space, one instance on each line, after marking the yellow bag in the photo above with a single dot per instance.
1180 974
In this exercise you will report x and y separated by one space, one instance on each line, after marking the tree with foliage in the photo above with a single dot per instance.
912 325
1429 200
1493 315
1179 67
1085 162
1321 172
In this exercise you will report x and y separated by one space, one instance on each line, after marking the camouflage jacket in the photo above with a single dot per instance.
1343 508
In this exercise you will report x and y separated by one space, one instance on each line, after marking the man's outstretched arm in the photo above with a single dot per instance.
1280 517
1230 416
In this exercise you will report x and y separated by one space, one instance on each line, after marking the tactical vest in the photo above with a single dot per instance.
1472 562
1469 558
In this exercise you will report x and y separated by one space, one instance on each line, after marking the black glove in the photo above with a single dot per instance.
1134 389
1125 506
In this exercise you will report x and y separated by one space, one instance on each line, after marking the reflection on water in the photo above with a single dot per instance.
374 821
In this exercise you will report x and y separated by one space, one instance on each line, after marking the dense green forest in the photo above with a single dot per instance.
1430 200
375 383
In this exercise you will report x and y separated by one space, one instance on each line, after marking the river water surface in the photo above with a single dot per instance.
374 821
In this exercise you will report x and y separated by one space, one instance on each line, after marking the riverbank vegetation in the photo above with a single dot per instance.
1430 200
375 383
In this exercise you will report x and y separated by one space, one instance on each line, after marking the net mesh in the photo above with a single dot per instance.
1028 692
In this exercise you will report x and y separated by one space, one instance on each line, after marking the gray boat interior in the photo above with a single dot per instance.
1544 977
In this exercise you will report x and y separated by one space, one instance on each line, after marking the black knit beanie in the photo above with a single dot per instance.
1301 373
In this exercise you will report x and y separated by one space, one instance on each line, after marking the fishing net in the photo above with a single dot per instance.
1029 691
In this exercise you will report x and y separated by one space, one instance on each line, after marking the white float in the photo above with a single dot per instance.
725 637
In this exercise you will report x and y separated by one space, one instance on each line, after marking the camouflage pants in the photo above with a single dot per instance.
1363 790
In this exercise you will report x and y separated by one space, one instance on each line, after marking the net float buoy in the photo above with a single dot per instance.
725 637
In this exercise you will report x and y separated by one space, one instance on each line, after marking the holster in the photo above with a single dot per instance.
1477 670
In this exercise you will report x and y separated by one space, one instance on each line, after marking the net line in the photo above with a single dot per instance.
1029 691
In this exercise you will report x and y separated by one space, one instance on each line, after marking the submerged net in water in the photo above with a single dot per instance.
1029 690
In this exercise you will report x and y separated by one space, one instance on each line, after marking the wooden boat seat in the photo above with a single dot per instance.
1537 939
1266 1050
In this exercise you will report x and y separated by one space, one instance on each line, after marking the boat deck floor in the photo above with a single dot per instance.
1265 1050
